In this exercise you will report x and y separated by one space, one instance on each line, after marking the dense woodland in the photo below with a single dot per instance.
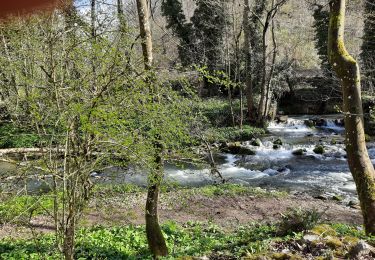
108 107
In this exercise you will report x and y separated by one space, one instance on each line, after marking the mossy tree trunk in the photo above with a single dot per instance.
347 70
155 238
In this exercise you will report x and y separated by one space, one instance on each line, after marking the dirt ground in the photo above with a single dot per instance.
226 211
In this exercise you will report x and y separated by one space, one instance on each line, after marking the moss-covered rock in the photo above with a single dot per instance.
333 242
256 142
319 149
278 142
299 152
237 148
309 123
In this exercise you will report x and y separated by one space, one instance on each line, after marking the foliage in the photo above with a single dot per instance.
15 137
20 208
236 190
176 21
192 239
298 220
368 49
233 134
202 39
321 22
129 242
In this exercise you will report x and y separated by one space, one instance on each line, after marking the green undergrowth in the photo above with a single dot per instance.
233 134
16 137
129 242
19 208
184 242
217 117
235 190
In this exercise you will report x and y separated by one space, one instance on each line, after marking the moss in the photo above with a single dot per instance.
285 256
334 242
337 198
349 240
324 230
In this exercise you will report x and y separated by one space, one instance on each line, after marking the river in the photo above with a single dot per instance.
316 174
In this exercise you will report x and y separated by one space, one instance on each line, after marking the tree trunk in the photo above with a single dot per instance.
155 238
347 70
121 16
145 32
248 62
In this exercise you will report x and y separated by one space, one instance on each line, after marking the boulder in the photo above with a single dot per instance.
282 119
236 148
299 152
319 149
309 123
278 142
256 142
321 122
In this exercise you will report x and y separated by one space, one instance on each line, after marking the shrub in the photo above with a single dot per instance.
298 220
14 137
233 134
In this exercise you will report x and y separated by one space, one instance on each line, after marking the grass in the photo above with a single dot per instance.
236 190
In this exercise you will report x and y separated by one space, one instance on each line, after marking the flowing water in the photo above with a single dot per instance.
317 174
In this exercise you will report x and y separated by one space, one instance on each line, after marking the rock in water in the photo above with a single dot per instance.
256 142
319 149
299 152
278 142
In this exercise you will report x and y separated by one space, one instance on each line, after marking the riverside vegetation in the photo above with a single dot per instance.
163 130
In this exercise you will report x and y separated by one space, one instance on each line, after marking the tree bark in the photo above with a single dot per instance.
155 238
121 16
145 31
248 62
347 70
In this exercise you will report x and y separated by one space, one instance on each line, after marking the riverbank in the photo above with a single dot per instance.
224 208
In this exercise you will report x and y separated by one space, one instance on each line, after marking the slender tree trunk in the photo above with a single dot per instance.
263 85
274 53
121 16
155 238
248 62
145 31
347 70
